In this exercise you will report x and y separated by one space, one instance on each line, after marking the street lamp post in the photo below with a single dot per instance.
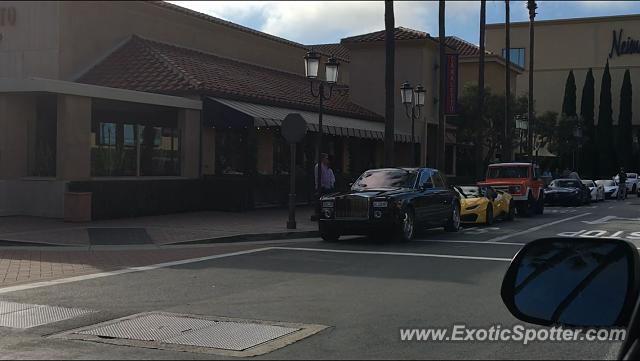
412 102
311 67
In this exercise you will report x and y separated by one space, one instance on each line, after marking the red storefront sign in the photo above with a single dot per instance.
451 100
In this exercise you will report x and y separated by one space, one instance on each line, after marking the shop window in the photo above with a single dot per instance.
134 149
231 151
516 55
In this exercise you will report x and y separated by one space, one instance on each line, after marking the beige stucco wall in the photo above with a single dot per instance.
494 75
576 45
110 23
73 152
30 46
61 40
415 61
17 111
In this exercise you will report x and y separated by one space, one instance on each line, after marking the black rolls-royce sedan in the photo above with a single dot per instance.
390 202
567 192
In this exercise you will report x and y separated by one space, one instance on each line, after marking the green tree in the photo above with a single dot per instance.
569 103
606 161
625 130
489 131
587 116
564 140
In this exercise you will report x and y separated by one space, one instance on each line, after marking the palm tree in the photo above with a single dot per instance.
479 145
389 68
506 147
443 90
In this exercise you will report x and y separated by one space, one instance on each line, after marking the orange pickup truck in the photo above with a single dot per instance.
522 181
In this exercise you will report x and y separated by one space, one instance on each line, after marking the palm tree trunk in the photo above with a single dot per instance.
442 96
389 80
480 123
506 142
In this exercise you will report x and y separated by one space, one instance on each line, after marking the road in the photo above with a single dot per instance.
364 291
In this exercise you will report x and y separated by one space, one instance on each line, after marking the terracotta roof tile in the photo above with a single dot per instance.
464 47
150 66
338 50
400 33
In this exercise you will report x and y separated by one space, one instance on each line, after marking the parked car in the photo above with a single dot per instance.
391 202
483 204
632 182
567 192
610 187
597 191
522 181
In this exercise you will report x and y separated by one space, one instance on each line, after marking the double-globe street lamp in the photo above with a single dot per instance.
311 68
412 99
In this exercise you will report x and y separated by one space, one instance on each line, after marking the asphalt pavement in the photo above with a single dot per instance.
364 291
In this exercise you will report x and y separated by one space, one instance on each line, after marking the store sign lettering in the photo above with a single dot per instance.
622 47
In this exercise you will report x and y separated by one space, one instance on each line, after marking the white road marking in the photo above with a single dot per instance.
472 242
602 220
125 271
536 228
393 253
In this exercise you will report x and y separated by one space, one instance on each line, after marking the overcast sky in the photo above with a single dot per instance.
315 22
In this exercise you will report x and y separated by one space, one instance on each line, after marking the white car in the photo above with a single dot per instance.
597 191
632 182
610 187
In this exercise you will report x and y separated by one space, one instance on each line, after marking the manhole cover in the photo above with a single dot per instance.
191 333
23 315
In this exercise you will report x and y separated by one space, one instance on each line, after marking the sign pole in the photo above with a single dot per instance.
293 129
291 223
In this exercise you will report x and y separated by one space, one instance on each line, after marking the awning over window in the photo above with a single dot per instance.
270 116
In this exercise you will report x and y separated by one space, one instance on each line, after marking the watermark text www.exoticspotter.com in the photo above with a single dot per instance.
517 333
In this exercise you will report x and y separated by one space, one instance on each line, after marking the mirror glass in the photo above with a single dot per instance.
572 281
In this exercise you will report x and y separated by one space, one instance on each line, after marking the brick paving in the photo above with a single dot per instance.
19 266
164 229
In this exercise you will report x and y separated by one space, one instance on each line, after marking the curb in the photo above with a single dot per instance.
251 238
225 239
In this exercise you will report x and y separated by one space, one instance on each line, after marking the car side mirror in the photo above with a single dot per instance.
585 282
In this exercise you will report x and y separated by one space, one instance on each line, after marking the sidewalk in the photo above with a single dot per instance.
197 227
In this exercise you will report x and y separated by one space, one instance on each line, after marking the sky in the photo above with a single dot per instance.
318 22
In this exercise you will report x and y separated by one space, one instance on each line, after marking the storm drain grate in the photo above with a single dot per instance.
23 315
232 335
151 327
214 335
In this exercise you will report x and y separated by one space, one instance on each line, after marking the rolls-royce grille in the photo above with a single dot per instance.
352 208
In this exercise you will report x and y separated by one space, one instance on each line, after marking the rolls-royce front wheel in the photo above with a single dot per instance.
406 228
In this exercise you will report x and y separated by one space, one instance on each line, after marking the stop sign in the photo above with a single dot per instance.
294 128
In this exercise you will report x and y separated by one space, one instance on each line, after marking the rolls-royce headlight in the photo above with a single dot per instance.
327 204
380 204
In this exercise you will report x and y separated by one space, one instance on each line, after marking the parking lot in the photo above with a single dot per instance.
363 291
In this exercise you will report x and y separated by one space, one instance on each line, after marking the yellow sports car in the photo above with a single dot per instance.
483 204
